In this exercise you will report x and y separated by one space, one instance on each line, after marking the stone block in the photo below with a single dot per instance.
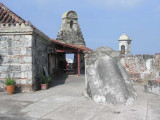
5 68
17 75
21 81
27 59
3 43
106 79
3 75
153 87
25 68
14 68
2 86
17 43
26 75
3 50
23 51
16 51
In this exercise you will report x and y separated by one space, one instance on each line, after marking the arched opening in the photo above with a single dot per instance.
123 48
71 24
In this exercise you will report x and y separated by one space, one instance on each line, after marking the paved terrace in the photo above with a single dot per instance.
65 101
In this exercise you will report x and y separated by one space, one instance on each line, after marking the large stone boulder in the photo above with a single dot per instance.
106 79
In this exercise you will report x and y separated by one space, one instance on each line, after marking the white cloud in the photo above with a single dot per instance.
116 4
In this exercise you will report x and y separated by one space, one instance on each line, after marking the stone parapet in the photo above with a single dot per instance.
142 67
16 28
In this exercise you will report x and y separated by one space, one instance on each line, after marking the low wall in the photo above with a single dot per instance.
142 67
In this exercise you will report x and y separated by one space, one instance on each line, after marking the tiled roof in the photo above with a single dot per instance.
7 16
82 48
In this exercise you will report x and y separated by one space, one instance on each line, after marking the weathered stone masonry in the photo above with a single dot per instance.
70 31
16 53
23 51
142 67
106 79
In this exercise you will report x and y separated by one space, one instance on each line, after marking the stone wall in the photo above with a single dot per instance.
157 63
24 53
40 59
142 67
16 54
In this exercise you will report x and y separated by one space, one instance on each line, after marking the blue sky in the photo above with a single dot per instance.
101 21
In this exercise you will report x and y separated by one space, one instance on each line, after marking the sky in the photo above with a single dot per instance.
102 21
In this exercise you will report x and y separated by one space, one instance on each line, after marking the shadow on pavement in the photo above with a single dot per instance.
58 80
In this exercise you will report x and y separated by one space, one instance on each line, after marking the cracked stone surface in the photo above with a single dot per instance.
106 79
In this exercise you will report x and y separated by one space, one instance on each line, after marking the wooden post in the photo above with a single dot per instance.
78 62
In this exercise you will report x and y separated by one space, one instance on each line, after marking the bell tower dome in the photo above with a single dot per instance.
124 44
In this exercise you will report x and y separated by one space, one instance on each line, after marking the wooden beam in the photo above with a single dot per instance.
78 62
66 51
60 51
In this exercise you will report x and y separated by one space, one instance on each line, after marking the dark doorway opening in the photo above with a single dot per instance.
71 24
122 48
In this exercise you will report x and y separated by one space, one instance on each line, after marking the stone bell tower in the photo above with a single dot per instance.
70 31
125 44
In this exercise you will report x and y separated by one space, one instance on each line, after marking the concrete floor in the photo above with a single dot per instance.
66 102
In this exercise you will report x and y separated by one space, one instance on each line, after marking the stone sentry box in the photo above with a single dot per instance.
23 55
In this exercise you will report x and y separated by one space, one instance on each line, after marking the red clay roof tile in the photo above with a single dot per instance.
7 16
